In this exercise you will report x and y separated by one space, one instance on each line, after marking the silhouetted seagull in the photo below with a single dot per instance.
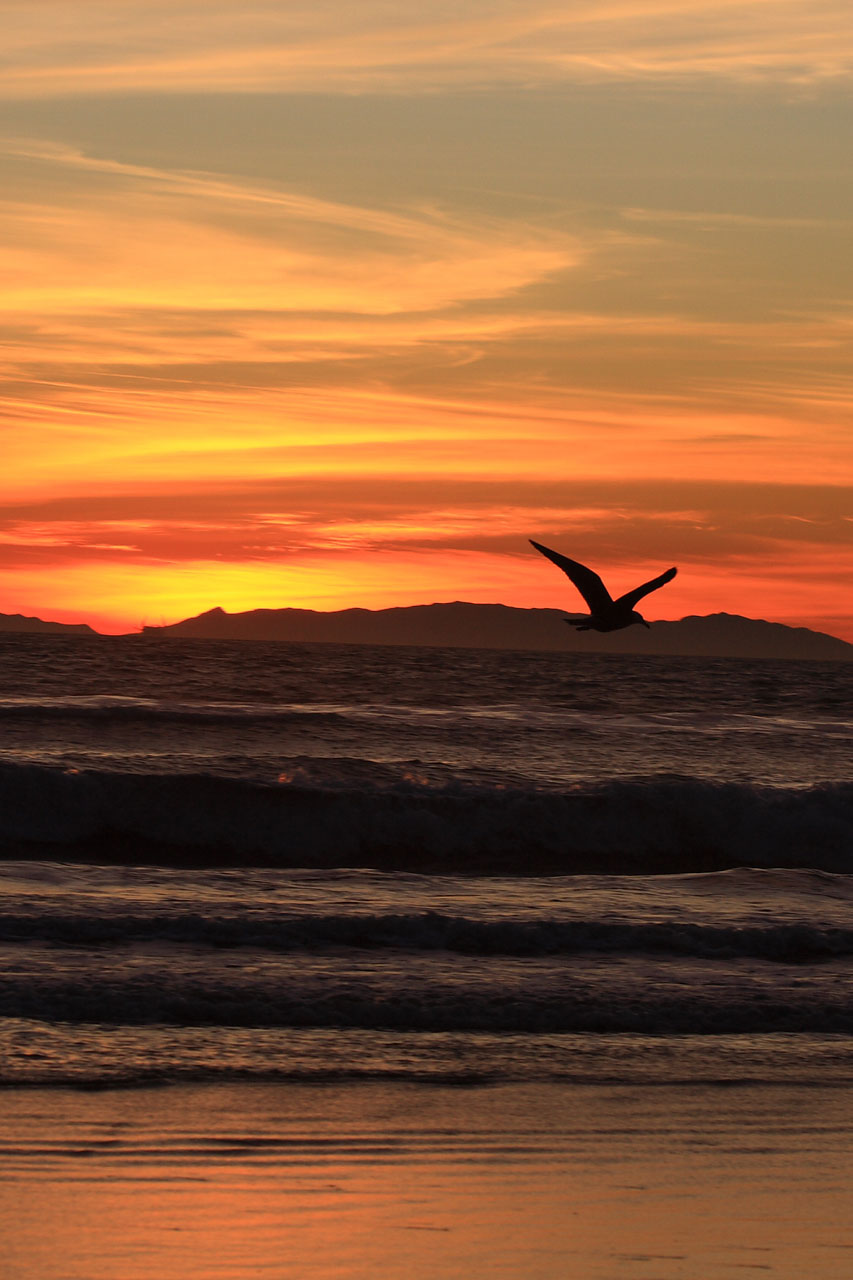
605 613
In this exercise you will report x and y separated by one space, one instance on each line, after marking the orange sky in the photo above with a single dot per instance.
342 305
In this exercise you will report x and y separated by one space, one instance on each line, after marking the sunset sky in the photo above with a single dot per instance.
334 304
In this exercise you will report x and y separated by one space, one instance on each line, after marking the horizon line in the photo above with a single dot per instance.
528 609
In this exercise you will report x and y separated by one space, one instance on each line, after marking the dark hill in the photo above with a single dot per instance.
18 623
497 626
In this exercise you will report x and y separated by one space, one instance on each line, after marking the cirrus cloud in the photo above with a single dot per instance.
120 46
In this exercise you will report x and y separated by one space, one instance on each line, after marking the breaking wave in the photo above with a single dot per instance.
633 825
788 942
675 1008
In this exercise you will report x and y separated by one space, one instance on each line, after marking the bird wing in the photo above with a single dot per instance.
588 583
630 598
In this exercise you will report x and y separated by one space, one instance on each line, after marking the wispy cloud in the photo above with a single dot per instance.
149 237
107 46
160 283
155 556
319 351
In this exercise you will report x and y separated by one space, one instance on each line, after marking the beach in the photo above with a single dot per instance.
317 1181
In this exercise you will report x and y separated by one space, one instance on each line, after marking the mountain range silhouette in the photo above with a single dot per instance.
485 626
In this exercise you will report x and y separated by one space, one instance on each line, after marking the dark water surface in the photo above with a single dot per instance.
239 860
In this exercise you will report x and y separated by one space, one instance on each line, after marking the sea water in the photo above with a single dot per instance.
228 861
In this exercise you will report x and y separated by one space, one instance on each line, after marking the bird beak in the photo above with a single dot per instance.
647 625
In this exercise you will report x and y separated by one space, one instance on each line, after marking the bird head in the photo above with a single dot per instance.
638 617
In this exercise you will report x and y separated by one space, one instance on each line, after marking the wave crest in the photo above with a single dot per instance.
631 826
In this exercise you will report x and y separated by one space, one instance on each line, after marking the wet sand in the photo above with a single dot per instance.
311 1182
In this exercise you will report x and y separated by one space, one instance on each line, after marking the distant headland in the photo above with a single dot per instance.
487 626
19 622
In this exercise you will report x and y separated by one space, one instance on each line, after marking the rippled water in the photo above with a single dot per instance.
325 861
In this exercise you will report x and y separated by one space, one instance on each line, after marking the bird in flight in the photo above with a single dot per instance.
605 613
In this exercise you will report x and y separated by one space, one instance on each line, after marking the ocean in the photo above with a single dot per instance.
262 862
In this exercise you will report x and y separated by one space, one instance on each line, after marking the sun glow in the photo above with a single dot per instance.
341 308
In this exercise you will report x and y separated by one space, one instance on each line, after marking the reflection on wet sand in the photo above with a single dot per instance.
314 1182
